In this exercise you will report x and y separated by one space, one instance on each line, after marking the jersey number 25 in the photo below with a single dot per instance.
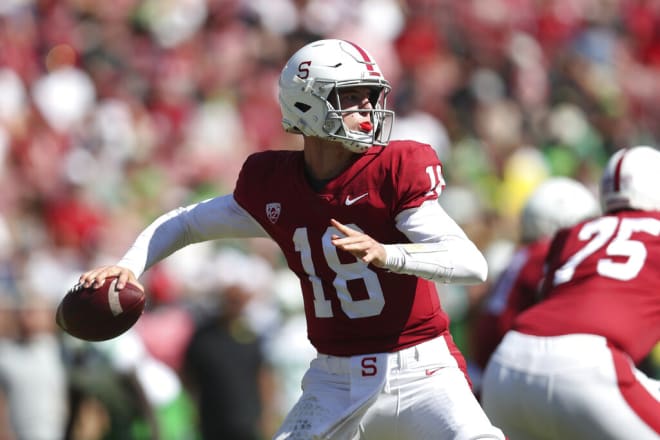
601 232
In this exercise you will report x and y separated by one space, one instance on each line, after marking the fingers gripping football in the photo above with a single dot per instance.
97 312
96 277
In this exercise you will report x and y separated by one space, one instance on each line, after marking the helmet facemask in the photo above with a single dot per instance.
377 132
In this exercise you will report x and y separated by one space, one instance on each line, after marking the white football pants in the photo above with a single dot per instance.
568 387
418 393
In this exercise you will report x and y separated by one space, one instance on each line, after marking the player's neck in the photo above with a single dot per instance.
326 160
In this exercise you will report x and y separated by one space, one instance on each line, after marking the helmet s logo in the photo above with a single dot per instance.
303 71
273 211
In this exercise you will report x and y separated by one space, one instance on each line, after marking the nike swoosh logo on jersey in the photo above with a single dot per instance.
350 201
432 371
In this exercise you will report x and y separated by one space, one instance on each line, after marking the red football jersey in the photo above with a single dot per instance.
516 290
351 308
603 279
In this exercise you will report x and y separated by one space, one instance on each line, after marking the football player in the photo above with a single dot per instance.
358 220
567 369
557 203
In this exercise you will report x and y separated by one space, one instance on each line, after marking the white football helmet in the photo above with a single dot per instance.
631 180
308 94
556 203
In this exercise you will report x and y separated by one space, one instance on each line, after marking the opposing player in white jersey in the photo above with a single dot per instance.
567 369
358 221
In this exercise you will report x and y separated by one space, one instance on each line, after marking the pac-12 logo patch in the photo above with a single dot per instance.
273 211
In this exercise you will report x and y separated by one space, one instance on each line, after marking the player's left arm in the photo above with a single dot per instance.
439 248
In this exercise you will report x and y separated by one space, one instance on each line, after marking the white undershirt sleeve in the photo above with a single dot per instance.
440 249
219 217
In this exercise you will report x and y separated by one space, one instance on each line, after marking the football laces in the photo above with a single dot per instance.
77 288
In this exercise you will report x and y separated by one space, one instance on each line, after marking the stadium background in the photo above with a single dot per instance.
113 112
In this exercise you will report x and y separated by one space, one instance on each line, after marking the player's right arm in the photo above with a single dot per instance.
219 217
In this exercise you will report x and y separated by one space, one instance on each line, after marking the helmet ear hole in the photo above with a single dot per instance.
302 106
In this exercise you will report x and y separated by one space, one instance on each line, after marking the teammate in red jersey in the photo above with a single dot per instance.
358 220
567 369
557 203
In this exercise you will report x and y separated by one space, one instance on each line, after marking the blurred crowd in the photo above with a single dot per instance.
113 112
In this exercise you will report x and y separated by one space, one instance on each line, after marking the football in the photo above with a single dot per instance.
100 314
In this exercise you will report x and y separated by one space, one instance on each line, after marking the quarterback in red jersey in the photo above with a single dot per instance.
357 218
557 203
567 369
